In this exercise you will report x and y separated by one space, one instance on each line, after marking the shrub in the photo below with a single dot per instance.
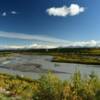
50 88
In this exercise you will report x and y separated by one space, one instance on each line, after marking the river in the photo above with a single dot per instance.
32 66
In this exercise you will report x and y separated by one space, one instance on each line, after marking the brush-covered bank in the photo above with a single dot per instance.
50 87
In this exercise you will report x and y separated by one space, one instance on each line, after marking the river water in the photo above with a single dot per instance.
32 66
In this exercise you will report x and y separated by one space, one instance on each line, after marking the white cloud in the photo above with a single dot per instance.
4 14
12 47
36 46
44 41
91 43
30 37
64 11
75 9
61 11
31 46
13 12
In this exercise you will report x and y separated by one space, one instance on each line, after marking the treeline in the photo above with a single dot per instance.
86 51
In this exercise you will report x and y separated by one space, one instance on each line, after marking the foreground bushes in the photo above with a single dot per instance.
50 87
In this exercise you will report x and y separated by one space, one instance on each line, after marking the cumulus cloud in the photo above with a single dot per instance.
64 11
61 11
91 43
75 9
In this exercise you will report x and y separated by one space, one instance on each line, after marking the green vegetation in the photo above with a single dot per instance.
68 55
78 55
81 51
76 58
50 87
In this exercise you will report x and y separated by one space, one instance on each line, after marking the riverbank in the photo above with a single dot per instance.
63 55
77 58
50 87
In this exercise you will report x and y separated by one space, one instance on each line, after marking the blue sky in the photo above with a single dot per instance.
70 20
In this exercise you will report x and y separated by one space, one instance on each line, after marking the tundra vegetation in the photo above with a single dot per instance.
50 87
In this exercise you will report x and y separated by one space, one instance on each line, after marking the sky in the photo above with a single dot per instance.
31 22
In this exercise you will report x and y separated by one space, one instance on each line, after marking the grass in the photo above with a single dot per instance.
76 58
50 87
